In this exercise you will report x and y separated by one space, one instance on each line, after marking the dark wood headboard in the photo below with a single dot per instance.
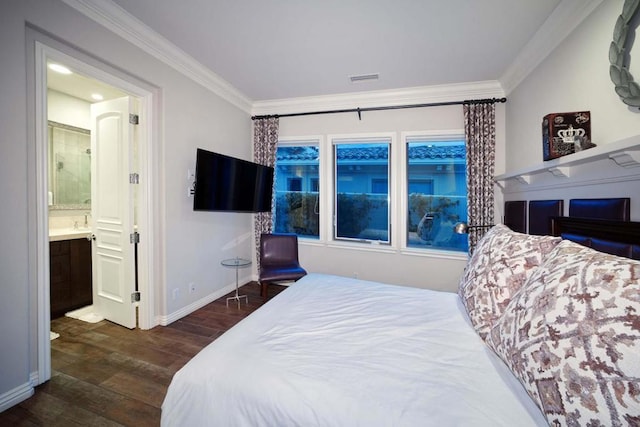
616 237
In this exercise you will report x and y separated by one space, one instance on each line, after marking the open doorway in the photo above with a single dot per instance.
84 161
111 211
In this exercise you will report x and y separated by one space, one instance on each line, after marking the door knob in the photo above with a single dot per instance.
91 237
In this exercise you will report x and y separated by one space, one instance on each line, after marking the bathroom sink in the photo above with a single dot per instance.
56 234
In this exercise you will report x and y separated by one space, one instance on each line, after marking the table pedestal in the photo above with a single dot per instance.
237 263
236 296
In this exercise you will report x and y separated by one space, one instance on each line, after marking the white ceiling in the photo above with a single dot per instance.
276 49
80 86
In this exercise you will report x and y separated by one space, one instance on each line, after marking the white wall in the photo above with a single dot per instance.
68 110
190 244
388 264
575 77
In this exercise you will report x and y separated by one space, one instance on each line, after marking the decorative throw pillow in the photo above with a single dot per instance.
572 337
501 262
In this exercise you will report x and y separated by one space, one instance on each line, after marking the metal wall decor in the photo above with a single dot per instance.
626 88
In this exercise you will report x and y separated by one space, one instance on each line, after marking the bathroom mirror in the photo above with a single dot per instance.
69 167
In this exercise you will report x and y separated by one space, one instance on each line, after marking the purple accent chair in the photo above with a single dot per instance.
278 260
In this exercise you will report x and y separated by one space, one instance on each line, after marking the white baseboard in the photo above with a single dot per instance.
15 396
176 315
34 378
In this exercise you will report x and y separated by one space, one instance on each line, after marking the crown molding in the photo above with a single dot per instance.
122 23
383 98
564 19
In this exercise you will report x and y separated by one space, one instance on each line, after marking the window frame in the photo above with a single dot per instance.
355 139
317 141
405 138
398 191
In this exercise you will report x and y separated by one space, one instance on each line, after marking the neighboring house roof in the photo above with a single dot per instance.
438 152
423 152
360 153
297 153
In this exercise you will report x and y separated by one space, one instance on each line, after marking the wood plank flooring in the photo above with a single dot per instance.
107 375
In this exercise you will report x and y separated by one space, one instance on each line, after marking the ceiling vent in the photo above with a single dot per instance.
364 77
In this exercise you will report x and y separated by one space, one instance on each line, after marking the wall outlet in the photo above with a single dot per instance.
355 275
192 287
176 294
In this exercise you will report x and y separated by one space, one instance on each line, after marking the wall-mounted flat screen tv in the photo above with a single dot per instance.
224 183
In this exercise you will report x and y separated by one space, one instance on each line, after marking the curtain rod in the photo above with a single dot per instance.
392 107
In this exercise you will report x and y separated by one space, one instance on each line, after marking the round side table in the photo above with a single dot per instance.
236 263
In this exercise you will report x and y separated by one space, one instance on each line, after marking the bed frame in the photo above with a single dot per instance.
282 370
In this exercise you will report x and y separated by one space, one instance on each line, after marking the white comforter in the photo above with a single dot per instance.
333 351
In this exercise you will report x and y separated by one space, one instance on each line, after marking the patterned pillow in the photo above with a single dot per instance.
572 337
499 266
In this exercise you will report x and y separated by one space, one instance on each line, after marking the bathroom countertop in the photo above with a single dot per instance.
57 234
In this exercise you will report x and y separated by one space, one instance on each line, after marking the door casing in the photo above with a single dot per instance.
44 49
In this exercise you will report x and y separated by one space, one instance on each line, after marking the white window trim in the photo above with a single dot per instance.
302 140
359 138
398 201
435 135
319 141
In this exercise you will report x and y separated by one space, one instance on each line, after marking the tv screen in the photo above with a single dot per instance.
224 183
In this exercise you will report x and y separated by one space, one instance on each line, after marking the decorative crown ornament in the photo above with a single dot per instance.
569 135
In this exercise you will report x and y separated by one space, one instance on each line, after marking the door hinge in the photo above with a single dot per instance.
135 296
134 119
134 178
134 237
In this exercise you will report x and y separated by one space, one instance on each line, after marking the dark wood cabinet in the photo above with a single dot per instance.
60 286
71 282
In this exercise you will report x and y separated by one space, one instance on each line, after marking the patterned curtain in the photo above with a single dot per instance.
265 144
480 130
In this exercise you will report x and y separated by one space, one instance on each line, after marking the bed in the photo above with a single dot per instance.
512 348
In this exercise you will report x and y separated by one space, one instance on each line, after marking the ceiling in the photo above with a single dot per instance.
278 49
80 86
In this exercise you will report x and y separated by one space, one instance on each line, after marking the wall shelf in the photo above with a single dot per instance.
625 153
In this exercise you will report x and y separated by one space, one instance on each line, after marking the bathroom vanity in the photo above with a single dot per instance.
70 267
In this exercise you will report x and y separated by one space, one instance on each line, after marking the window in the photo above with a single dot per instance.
380 186
361 177
431 172
424 186
294 184
297 189
315 184
437 193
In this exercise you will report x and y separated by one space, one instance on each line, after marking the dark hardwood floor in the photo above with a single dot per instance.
107 375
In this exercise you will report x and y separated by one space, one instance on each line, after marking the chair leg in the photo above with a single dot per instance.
263 290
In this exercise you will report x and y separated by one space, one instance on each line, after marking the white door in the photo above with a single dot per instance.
112 211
